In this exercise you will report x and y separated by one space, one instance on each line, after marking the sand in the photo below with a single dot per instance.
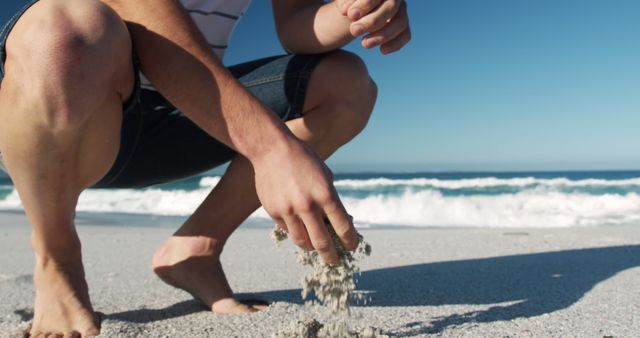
334 287
578 282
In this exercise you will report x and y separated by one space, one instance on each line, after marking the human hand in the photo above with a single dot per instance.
385 21
296 189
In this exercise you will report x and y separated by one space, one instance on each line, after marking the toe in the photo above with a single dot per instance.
231 305
260 307
90 334
257 304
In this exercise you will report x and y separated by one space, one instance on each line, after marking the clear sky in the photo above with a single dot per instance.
492 85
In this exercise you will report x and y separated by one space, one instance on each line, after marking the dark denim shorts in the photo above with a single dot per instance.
160 144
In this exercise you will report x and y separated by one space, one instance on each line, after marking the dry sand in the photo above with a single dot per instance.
578 282
334 288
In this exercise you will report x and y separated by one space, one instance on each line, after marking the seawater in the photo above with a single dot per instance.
517 199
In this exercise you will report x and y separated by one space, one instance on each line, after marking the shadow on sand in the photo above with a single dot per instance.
531 285
180 309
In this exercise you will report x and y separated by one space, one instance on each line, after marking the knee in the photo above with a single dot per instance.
351 90
66 50
65 37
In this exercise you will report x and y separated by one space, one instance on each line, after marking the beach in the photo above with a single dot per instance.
450 282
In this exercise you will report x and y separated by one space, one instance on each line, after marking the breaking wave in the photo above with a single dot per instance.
525 202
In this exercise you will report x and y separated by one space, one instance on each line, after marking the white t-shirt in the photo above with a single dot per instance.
216 19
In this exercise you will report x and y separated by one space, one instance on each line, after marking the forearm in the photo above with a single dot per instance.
178 61
311 27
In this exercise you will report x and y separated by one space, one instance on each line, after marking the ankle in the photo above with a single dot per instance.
205 246
71 266
61 249
197 245
64 261
179 248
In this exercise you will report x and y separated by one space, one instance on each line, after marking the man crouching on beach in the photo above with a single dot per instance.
76 112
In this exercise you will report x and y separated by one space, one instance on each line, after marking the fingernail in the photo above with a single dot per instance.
354 14
358 30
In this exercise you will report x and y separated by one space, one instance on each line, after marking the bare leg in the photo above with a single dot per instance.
331 119
60 116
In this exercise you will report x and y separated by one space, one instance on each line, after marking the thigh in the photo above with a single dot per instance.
6 29
4 34
168 146
35 51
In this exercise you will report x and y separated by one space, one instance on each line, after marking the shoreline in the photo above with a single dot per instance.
470 282
146 221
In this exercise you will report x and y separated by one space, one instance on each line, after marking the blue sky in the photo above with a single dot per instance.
493 85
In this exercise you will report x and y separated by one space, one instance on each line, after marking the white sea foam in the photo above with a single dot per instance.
209 181
148 201
484 182
532 206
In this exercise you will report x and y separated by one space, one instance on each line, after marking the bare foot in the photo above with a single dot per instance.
193 265
62 305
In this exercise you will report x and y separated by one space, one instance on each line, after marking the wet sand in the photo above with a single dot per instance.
575 282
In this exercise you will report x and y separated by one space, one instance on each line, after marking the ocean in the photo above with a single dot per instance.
448 199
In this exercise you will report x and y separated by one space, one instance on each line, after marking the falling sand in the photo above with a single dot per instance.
334 287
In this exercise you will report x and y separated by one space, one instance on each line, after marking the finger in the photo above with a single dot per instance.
281 224
344 5
298 233
396 26
377 19
342 224
329 173
320 237
397 43
360 8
